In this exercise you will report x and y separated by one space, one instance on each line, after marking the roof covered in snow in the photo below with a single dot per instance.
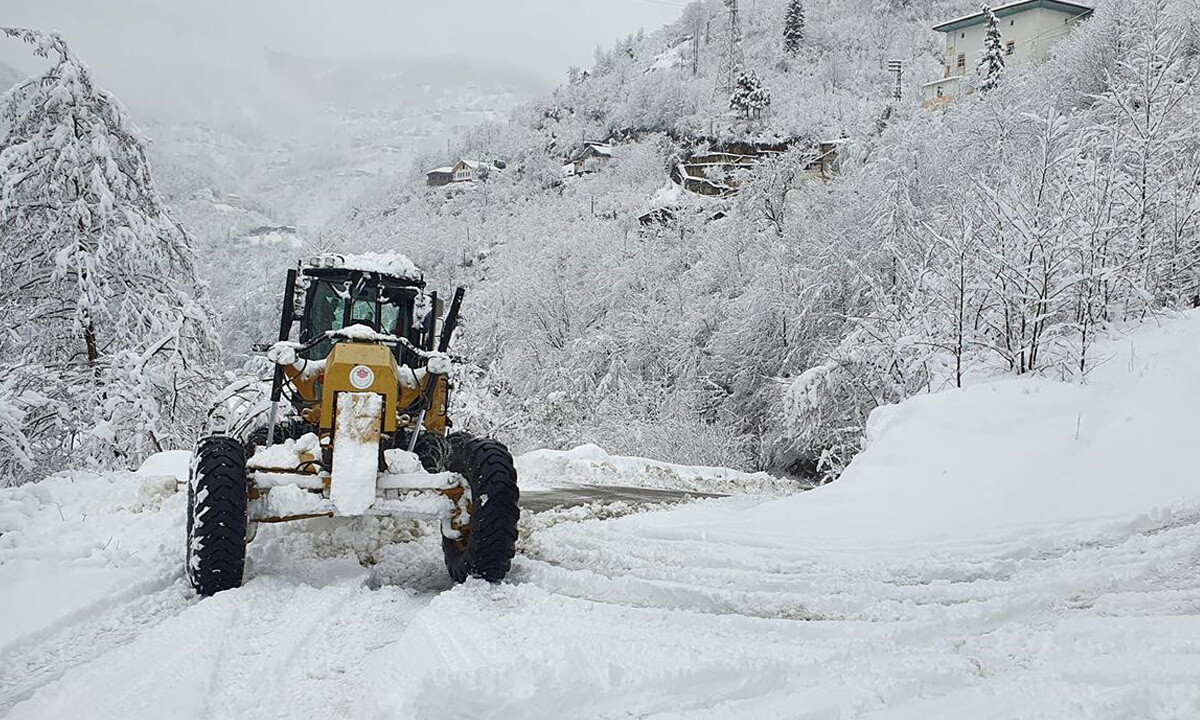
393 264
592 148
1013 8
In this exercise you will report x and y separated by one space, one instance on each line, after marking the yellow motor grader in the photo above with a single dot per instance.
354 422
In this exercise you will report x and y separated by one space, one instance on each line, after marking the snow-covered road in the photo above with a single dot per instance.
1019 549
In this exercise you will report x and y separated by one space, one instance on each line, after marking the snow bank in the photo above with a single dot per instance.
65 549
1017 549
1026 462
169 463
591 465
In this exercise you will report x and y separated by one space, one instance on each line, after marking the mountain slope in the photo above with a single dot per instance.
944 247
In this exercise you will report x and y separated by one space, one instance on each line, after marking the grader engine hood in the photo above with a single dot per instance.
359 367
358 405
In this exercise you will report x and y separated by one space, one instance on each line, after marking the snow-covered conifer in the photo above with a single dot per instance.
100 306
749 96
793 26
991 65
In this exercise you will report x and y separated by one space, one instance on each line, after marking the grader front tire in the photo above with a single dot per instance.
491 540
216 521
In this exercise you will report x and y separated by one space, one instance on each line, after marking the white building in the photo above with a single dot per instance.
592 158
462 171
1028 29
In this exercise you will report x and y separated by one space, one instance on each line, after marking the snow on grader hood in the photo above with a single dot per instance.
353 422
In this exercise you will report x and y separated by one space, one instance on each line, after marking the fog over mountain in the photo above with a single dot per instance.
298 107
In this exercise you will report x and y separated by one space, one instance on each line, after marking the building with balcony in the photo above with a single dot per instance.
1028 29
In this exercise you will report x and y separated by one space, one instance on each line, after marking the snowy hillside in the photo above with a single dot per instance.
1020 548
996 235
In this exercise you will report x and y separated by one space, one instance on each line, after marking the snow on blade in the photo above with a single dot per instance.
288 454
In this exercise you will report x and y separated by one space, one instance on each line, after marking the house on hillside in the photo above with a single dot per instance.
440 176
1028 28
593 157
462 171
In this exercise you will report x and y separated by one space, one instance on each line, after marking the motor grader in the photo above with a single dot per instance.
353 422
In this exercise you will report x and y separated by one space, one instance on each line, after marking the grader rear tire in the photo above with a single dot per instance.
216 520
491 541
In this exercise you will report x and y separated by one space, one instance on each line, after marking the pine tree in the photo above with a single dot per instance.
749 96
991 65
105 327
793 26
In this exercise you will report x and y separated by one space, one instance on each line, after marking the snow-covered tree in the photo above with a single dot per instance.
793 26
750 97
991 64
107 328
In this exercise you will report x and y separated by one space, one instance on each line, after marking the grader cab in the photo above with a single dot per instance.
353 422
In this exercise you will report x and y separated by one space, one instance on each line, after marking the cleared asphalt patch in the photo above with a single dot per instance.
542 500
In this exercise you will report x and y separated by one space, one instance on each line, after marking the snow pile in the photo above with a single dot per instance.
66 553
287 455
1007 458
591 465
288 500
167 464
402 462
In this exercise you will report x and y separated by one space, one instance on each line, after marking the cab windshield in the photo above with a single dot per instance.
334 305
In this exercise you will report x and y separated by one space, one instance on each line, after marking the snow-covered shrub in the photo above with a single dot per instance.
15 451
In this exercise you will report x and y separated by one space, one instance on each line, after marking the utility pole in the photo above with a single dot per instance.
731 54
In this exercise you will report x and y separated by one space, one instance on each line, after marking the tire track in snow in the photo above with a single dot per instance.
326 677
88 634
270 621
975 591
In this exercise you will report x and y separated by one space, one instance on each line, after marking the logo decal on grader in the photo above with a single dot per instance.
362 377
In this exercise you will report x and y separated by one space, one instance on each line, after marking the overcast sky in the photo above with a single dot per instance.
127 37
